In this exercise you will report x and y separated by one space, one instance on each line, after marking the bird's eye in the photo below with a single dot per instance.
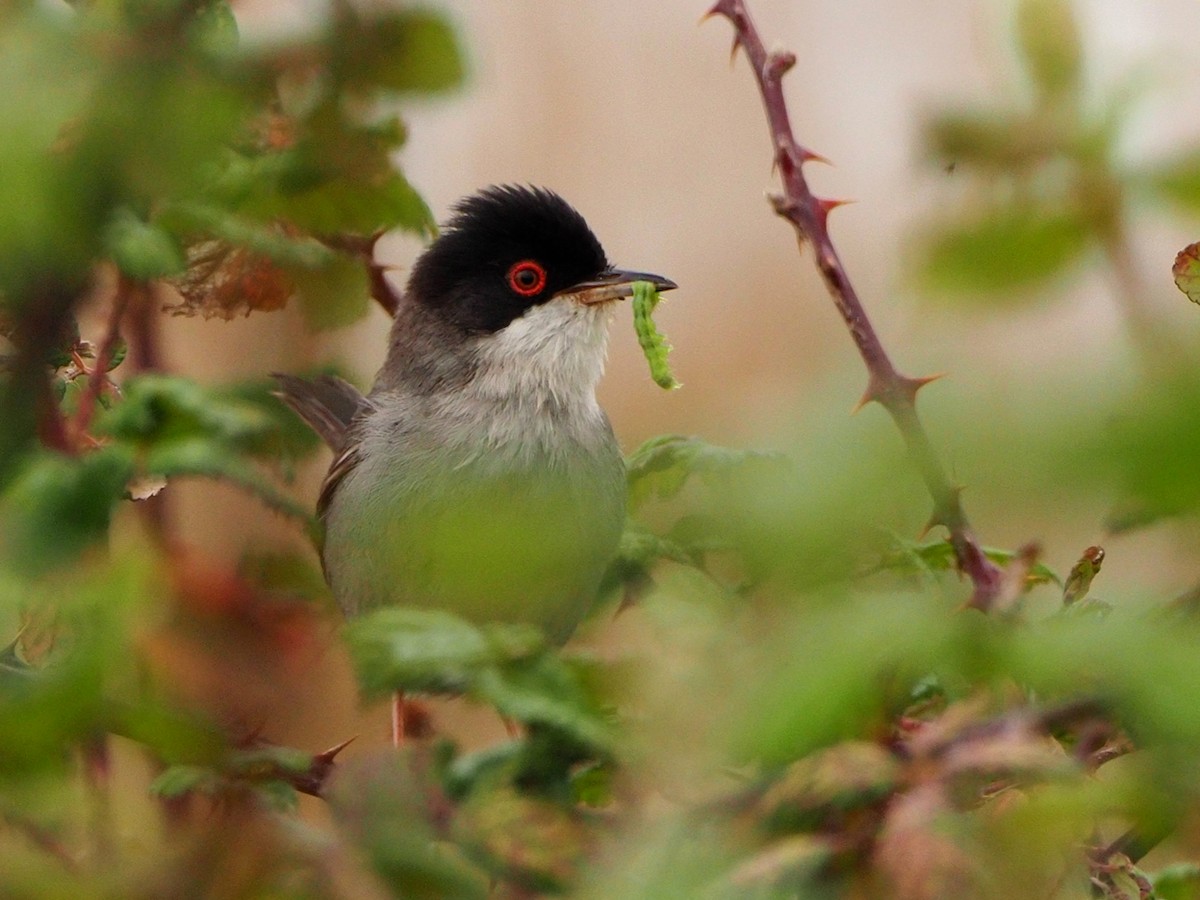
527 278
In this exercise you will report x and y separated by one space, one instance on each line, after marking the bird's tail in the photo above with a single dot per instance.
326 403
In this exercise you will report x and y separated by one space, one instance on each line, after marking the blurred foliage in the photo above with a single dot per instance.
1042 173
802 707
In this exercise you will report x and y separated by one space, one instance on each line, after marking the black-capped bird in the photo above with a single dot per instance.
480 475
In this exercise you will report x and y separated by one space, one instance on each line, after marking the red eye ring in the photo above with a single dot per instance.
527 278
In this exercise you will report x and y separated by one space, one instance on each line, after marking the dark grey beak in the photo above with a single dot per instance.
613 284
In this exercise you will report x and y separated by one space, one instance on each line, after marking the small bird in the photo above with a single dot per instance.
480 475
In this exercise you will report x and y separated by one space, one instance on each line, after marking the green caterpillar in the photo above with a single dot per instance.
653 344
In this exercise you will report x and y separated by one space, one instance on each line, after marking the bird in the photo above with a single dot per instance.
479 475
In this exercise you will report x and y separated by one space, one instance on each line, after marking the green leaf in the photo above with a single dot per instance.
1180 881
424 650
398 50
1148 452
547 691
207 458
177 781
469 770
263 238
1049 41
245 417
335 294
1009 249
180 428
997 141
141 250
285 437
158 408
1176 180
57 507
663 465
357 203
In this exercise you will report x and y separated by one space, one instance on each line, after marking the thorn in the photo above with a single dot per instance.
734 47
778 63
910 386
807 155
726 8
327 756
873 394
782 205
825 207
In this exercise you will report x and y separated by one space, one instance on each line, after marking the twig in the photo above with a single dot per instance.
43 838
98 377
896 392
145 355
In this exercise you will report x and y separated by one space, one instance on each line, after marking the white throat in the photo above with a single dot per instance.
552 356
534 385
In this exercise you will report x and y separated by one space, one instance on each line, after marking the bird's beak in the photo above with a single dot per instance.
612 284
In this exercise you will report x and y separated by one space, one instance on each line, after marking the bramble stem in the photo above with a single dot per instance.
896 392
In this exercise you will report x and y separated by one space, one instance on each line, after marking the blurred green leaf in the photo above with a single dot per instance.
335 294
1007 250
244 418
663 465
995 141
206 458
416 650
180 428
1146 452
534 842
396 50
141 250
1176 180
1177 882
85 683
176 781
547 691
60 506
1048 38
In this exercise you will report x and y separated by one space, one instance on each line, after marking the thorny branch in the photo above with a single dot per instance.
896 392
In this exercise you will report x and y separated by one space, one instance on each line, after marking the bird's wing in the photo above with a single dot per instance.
333 408
328 404
341 466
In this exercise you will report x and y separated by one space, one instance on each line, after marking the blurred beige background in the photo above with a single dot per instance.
631 110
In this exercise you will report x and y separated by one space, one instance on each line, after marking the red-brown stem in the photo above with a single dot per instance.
98 377
896 392
145 355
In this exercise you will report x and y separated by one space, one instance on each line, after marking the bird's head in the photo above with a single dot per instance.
507 251
518 276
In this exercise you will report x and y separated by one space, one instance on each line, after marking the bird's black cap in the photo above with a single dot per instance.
505 249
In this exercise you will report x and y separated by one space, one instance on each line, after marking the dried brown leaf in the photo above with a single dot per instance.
224 281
